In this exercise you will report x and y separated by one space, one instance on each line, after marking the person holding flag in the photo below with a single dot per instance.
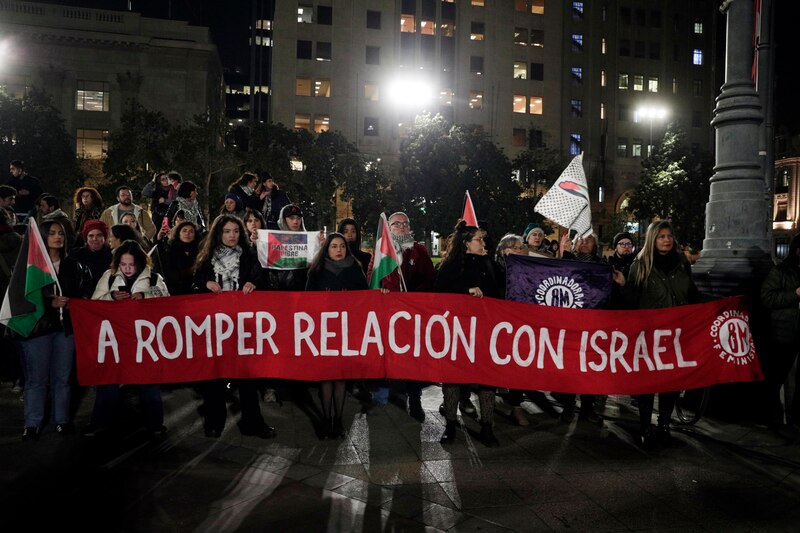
36 307
395 247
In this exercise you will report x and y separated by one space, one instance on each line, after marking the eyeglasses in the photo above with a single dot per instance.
625 244
400 225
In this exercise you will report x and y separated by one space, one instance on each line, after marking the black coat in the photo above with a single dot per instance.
478 271
351 278
76 282
97 262
249 271
176 263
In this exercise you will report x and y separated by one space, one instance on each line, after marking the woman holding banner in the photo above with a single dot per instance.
178 259
131 277
226 263
334 268
48 352
467 269
659 277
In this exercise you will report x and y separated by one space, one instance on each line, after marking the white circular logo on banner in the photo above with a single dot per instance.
559 291
732 339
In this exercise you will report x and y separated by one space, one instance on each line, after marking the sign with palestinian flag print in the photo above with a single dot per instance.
287 250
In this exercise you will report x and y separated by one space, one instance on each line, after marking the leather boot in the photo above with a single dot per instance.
664 435
647 440
487 436
337 429
449 433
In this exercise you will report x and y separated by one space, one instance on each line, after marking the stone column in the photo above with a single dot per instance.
736 250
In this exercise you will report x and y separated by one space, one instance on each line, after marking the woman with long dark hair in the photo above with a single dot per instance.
88 206
48 352
244 189
130 277
334 268
226 263
186 202
659 277
271 200
158 190
177 260
467 269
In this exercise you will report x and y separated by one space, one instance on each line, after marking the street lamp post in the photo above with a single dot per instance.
652 112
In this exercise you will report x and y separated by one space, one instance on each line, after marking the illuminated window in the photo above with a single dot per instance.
303 87
305 14
577 42
577 73
322 123
698 26
91 144
652 85
519 137
577 9
446 97
371 91
448 29
520 103
521 36
407 24
602 111
92 96
478 3
603 48
697 57
520 70
322 88
622 147
674 85
371 126
636 148
575 143
535 105
476 31
476 99
264 24
537 7
537 38
602 78
427 27
623 81
302 121
638 82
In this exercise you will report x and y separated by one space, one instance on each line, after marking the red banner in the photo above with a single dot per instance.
423 336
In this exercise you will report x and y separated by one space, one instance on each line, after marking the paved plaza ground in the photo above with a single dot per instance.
391 474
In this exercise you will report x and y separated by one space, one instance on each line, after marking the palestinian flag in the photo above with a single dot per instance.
469 211
23 304
385 261
287 250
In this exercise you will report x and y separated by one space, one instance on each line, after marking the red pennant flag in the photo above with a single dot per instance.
469 211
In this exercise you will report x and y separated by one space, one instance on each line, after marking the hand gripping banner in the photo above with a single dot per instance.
422 336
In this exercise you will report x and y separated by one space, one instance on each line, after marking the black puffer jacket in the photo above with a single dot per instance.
779 295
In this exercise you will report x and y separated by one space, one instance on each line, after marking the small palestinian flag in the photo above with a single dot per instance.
385 261
23 304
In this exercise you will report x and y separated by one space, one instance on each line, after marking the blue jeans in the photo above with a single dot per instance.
47 359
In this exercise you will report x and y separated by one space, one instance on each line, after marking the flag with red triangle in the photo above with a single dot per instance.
469 211
23 304
385 261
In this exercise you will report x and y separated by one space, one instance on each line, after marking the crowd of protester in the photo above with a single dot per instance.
162 247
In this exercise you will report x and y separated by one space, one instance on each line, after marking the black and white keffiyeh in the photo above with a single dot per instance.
226 267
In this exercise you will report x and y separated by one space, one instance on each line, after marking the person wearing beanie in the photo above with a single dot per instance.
95 254
623 255
534 239
352 234
232 205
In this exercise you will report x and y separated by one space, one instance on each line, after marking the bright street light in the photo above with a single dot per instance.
652 112
410 92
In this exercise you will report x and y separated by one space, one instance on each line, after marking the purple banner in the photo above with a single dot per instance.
557 282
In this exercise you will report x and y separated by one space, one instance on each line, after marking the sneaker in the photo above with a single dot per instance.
30 433
468 408
65 429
